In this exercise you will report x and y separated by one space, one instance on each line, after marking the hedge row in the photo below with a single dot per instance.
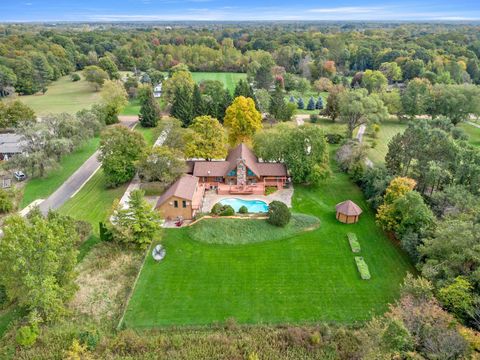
354 244
362 268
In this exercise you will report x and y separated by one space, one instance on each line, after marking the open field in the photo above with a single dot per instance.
228 79
305 278
40 188
388 129
63 95
472 132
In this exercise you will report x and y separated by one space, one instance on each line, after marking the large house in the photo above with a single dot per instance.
241 173
10 145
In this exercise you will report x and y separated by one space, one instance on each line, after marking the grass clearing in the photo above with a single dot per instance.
472 132
41 188
229 79
388 129
63 95
308 277
244 231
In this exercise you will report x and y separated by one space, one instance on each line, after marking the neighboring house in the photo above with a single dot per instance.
157 90
182 200
240 173
10 145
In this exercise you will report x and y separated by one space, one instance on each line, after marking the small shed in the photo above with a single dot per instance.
348 212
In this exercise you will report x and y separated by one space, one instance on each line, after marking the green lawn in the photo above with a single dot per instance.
305 278
149 134
244 231
306 97
388 129
63 95
472 132
41 188
229 79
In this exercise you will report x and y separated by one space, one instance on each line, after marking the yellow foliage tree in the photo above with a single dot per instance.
397 188
242 120
207 140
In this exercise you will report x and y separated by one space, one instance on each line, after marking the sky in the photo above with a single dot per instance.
236 10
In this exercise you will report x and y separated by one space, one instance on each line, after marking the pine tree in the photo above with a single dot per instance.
292 99
319 104
243 88
199 106
277 102
300 103
150 111
182 108
311 104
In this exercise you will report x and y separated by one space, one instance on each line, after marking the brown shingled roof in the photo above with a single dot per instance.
183 188
211 168
242 151
348 208
272 169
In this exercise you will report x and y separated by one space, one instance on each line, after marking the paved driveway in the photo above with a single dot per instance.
76 181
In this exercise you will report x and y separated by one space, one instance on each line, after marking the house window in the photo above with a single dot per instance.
233 172
250 173
218 179
175 203
184 204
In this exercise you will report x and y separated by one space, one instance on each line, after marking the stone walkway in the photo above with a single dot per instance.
211 198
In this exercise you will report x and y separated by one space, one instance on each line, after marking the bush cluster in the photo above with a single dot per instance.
278 213
222 210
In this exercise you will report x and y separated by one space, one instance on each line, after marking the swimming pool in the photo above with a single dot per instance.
253 206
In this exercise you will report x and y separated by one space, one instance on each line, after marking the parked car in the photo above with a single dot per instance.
19 175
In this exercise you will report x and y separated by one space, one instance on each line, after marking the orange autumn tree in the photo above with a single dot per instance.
242 120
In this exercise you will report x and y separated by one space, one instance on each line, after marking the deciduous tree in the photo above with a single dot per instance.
242 120
207 140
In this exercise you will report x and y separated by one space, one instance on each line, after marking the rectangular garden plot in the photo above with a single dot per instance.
362 268
354 244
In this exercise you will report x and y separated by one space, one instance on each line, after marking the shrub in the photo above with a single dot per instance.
84 230
216 209
227 210
270 190
3 296
89 339
362 268
354 244
6 203
376 130
75 77
314 118
243 210
105 233
278 213
334 138
27 335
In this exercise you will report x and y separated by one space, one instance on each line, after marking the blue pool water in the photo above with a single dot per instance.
253 206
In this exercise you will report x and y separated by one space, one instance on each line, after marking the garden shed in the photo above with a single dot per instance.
348 212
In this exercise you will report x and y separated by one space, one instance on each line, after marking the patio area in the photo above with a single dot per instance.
211 198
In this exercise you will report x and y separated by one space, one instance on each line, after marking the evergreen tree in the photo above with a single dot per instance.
244 89
150 111
300 103
319 104
311 104
292 99
182 108
199 106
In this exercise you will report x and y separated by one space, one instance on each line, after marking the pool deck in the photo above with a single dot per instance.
211 198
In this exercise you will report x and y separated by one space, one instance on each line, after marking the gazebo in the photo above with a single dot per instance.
348 212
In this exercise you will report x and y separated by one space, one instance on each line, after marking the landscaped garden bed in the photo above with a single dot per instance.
354 244
362 268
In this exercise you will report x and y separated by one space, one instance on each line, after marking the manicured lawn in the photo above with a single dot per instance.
388 129
244 231
149 134
306 97
229 79
41 188
472 132
63 95
305 278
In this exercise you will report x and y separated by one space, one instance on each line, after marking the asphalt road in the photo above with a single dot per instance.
75 182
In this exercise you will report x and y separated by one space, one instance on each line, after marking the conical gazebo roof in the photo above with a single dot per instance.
348 208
